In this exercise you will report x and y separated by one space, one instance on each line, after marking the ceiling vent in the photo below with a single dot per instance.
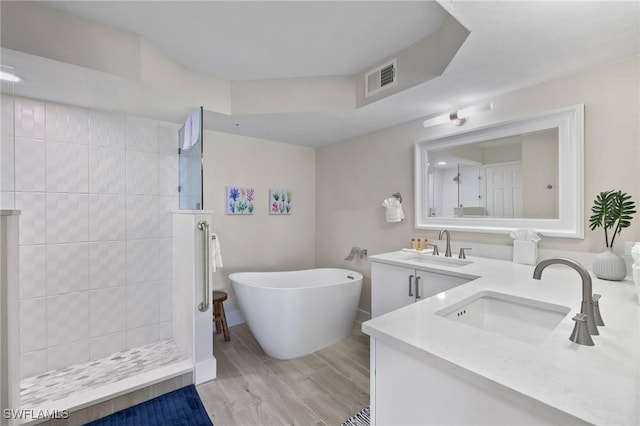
381 78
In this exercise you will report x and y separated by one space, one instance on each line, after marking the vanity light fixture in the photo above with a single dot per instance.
9 76
458 117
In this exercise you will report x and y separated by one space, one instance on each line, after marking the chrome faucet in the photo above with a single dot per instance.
447 250
587 308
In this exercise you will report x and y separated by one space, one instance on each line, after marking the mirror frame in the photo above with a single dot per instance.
570 221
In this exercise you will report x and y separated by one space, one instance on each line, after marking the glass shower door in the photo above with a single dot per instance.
190 162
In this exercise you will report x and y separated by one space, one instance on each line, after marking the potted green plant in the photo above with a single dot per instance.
613 211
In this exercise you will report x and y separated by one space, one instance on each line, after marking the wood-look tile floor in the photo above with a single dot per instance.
324 388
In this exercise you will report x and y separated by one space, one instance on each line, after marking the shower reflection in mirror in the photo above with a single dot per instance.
510 177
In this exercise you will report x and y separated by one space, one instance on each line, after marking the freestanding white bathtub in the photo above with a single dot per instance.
294 313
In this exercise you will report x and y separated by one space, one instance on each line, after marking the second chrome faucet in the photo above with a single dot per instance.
589 309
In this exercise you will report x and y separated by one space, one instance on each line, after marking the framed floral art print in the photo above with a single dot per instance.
240 200
280 201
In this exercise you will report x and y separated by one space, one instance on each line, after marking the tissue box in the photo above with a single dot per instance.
525 252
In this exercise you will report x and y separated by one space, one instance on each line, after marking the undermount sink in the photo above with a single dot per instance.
526 320
443 261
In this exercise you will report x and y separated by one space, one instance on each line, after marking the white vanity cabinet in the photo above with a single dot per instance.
393 287
407 390
428 369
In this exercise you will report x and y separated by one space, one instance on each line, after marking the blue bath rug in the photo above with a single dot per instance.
181 407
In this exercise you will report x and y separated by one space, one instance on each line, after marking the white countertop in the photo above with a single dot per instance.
598 384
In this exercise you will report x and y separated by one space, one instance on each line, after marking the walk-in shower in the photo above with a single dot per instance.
95 295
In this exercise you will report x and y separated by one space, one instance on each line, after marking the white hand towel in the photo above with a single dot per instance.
186 137
191 130
394 212
195 127
216 254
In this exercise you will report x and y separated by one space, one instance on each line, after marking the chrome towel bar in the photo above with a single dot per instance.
203 225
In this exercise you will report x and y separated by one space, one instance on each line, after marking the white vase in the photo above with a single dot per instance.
609 266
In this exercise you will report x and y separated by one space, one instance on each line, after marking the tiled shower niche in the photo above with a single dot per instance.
96 190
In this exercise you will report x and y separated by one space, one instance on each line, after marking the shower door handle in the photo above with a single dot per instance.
204 227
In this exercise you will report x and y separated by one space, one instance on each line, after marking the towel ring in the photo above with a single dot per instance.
398 196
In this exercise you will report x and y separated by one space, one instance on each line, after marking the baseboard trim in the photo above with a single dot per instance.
362 316
234 318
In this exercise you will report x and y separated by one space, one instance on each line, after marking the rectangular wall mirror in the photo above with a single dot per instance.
515 174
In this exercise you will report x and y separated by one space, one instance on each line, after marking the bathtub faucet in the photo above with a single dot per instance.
356 251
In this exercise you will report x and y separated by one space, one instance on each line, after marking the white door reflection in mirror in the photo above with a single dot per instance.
504 190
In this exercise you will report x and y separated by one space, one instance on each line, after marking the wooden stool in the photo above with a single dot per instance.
218 314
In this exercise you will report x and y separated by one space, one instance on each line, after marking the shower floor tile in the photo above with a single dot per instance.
54 385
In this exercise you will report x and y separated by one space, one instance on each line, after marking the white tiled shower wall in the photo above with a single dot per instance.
96 190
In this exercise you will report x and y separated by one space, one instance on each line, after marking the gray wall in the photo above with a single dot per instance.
259 242
355 176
